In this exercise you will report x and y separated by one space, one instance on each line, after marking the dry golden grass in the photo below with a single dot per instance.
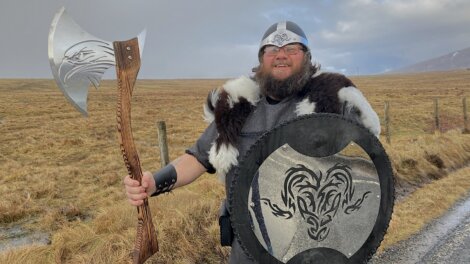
62 174
426 204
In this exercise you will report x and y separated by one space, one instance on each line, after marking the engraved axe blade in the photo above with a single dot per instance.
79 59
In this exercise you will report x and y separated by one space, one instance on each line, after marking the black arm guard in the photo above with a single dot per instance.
165 179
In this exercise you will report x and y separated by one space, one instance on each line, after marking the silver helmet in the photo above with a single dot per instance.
283 33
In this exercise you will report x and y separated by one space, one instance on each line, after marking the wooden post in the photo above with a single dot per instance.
164 157
466 124
436 115
387 122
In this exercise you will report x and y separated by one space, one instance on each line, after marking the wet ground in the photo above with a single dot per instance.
452 249
16 236
445 240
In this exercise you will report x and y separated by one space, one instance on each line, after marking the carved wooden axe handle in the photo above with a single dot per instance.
127 67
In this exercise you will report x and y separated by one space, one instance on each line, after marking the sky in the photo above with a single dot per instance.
220 38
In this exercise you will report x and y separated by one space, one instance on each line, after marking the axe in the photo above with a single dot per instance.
79 60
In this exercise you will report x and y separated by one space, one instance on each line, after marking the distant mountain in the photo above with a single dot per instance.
452 61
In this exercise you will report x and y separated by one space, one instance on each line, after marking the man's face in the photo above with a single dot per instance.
281 63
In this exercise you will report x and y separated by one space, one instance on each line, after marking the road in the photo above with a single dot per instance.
445 240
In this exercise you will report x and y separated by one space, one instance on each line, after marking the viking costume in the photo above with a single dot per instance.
238 114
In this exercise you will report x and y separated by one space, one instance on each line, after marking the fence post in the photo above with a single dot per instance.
436 115
387 122
466 124
164 157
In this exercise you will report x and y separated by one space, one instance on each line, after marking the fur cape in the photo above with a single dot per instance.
230 105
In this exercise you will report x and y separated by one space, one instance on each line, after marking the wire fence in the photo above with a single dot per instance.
387 125
437 118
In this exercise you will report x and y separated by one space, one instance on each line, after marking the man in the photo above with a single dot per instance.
286 85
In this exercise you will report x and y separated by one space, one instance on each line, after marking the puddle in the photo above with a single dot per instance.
15 236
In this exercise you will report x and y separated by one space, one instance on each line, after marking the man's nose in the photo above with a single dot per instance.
281 54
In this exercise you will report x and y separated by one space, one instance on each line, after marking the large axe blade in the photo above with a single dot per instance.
78 60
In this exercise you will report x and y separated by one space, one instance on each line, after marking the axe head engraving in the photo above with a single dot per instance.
78 59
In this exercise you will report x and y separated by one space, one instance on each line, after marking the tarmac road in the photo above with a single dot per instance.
454 249
445 240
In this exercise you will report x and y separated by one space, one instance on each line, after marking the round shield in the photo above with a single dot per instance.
317 189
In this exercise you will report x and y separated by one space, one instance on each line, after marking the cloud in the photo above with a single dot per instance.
397 32
211 39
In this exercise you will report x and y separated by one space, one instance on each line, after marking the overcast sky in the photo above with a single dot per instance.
220 38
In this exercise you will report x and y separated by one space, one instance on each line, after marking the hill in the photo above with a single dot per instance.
455 60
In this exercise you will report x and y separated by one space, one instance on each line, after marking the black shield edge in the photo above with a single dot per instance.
367 141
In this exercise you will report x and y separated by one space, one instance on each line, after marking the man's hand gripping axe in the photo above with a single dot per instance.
79 59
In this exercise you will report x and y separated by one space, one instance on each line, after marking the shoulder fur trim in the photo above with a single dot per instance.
318 72
369 117
242 87
209 106
223 158
327 92
305 107
322 90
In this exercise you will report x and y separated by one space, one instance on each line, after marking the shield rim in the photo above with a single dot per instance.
259 151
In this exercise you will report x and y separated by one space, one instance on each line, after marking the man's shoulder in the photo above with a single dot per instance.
325 89
239 91
330 80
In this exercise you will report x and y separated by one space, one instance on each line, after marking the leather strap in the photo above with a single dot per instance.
165 179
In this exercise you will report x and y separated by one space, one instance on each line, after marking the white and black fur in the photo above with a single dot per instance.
230 105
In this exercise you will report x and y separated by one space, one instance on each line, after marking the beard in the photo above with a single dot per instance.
280 89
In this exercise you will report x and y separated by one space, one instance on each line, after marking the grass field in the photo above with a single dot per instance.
61 174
